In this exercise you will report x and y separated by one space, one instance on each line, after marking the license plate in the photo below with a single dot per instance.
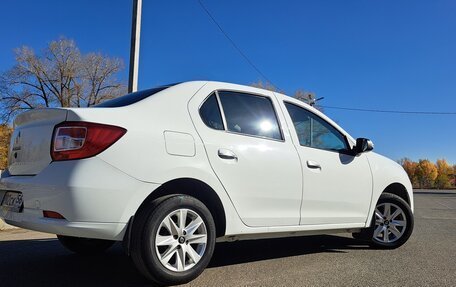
13 201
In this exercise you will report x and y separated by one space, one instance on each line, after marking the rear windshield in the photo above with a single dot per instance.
130 98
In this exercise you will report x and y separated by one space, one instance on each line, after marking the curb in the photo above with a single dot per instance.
434 191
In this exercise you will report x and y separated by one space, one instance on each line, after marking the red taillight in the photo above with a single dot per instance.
52 214
77 140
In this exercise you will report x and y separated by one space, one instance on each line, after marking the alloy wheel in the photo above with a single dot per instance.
390 223
181 240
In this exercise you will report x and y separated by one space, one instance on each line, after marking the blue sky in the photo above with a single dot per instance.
393 55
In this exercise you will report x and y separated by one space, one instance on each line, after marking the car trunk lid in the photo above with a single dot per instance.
30 146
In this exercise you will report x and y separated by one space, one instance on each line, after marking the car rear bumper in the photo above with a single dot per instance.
34 220
96 199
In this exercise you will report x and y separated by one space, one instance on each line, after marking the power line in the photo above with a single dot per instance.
250 62
389 111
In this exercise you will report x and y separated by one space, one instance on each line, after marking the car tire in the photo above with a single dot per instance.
173 239
392 222
85 246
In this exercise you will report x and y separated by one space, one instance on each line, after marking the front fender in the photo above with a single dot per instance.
386 172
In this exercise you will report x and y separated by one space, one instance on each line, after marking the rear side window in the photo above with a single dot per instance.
130 98
315 132
250 114
210 113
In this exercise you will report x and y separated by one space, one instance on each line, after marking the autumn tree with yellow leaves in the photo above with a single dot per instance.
425 174
5 135
410 168
443 172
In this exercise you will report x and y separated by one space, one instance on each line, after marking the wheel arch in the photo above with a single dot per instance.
197 189
396 188
399 190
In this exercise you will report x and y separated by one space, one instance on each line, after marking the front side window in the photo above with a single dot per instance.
210 113
250 114
315 132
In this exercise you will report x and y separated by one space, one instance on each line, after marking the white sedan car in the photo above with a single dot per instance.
169 171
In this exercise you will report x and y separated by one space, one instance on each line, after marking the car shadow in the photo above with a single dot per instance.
238 252
46 263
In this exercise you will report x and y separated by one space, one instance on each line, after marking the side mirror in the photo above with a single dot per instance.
363 145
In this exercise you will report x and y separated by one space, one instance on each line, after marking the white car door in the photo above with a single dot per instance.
337 184
253 158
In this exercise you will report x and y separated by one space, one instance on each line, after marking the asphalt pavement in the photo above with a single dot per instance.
427 259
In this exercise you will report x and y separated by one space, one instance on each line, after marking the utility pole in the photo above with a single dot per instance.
134 47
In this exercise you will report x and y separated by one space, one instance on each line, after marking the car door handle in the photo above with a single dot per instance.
313 164
226 154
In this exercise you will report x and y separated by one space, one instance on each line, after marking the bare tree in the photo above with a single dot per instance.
307 97
266 86
100 85
60 76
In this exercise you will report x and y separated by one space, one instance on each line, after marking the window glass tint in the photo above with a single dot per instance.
130 98
250 114
210 113
315 132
